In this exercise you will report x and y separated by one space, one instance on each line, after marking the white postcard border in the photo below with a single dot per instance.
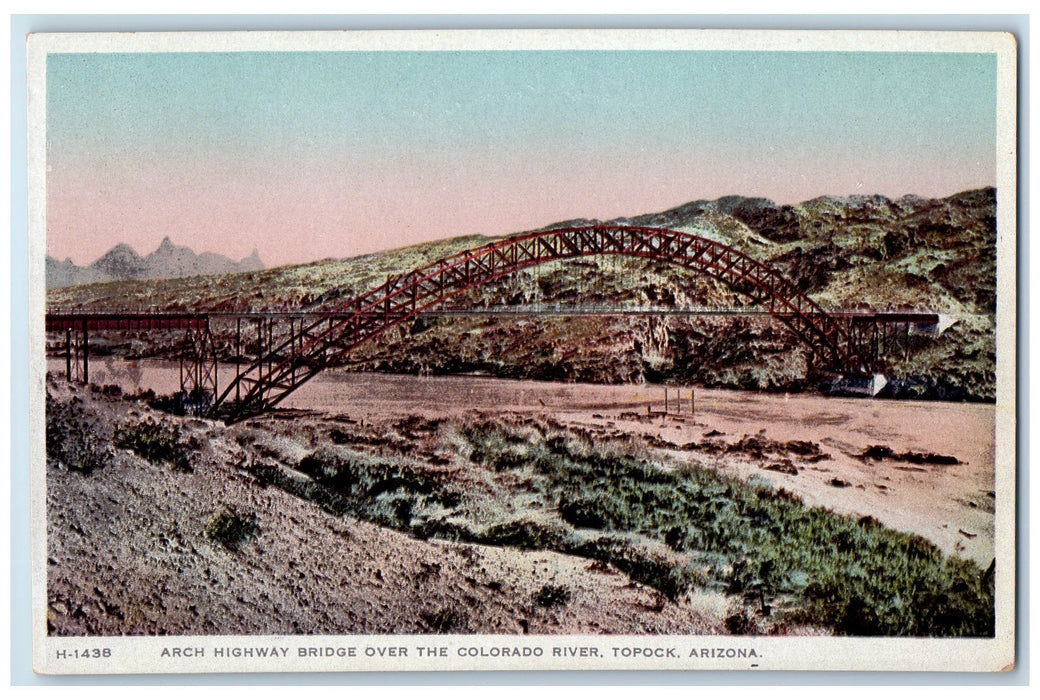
145 655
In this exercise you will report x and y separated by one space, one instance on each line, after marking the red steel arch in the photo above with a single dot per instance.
327 339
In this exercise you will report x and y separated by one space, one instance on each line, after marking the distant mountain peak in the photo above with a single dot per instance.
251 263
168 261
121 249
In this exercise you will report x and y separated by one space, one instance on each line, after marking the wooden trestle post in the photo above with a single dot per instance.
238 359
86 356
77 368
260 356
270 345
198 366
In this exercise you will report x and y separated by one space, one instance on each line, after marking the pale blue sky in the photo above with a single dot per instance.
454 99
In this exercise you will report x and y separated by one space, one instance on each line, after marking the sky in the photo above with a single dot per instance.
305 156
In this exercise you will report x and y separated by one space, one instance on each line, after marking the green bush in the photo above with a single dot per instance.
231 529
581 512
196 402
552 596
525 534
826 569
158 442
613 503
390 493
72 438
366 477
670 578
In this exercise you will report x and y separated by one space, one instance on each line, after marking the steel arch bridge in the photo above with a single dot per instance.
839 342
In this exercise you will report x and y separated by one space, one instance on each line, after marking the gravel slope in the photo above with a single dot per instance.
128 555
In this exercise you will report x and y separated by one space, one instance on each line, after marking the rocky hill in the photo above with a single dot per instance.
845 252
168 261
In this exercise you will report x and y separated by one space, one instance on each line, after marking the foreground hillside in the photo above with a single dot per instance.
408 516
856 252
193 538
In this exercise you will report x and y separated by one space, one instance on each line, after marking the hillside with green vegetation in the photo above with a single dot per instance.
632 516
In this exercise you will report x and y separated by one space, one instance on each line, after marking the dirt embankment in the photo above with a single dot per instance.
131 551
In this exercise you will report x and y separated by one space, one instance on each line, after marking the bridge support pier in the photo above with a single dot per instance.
198 368
77 355
873 337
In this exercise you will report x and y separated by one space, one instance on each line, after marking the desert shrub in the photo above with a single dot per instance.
496 448
196 402
552 596
73 440
365 476
442 620
749 576
510 459
807 566
444 529
388 492
670 578
750 540
392 509
265 473
231 529
340 437
269 473
581 512
741 622
525 534
157 441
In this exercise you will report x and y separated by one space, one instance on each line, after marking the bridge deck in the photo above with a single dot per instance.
134 321
122 321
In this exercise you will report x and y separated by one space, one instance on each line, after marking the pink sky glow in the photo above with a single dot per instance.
301 212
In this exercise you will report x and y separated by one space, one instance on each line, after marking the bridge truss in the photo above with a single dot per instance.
846 342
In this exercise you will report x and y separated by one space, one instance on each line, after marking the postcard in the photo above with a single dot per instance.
523 350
